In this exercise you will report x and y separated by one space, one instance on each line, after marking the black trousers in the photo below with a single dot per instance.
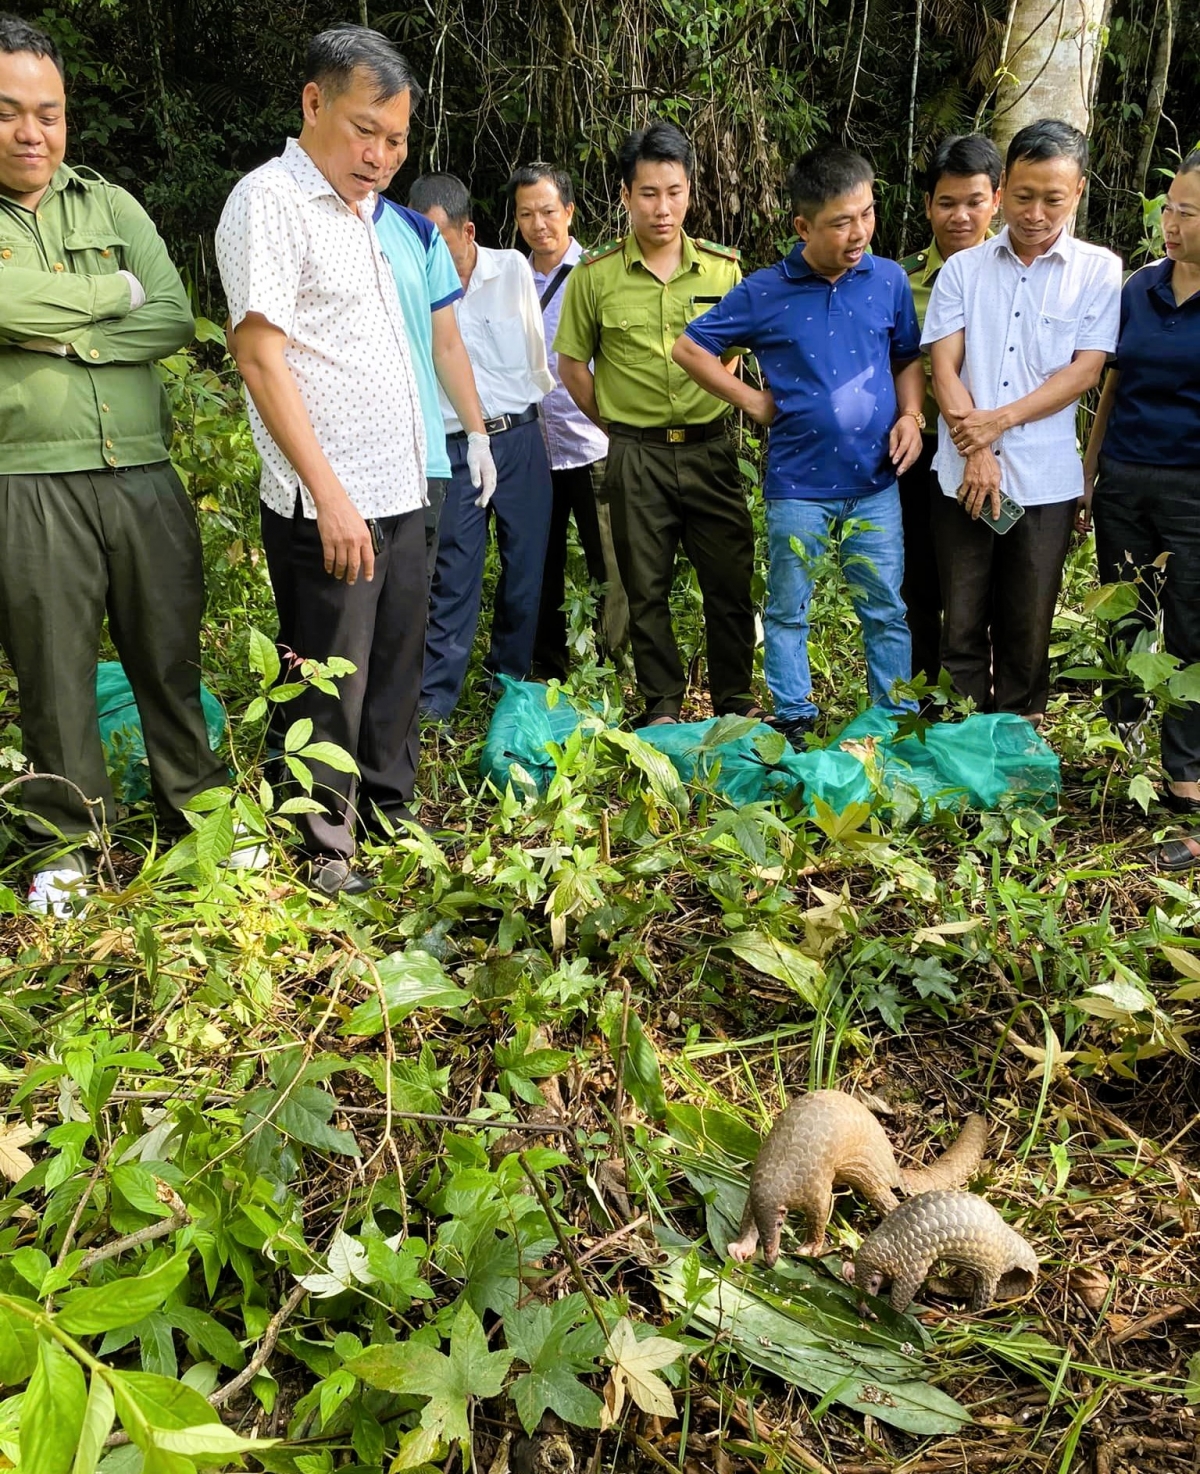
574 496
922 589
435 491
73 548
1140 512
661 496
999 595
380 626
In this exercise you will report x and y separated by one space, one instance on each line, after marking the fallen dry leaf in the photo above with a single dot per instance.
1090 1284
634 1366
13 1161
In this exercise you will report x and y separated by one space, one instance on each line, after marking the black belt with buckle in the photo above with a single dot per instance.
501 423
669 434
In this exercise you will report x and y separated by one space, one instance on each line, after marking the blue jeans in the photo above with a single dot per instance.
874 578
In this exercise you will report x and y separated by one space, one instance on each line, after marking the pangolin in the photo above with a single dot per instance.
827 1139
955 1228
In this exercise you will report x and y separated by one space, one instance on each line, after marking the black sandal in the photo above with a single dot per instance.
1178 854
1179 803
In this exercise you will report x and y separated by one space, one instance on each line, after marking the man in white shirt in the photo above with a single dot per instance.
544 205
501 324
1017 329
320 340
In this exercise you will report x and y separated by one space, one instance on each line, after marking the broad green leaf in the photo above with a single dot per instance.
159 1401
156 1343
52 1412
331 755
643 1079
123 1302
305 1115
97 1420
297 735
1152 667
1184 685
18 1343
782 961
207 1439
661 772
264 657
214 838
1111 601
410 980
471 1370
208 1333
558 1350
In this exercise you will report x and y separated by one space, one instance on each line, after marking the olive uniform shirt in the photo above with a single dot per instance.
103 405
618 316
921 270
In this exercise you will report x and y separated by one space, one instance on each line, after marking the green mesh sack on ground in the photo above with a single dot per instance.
121 731
972 764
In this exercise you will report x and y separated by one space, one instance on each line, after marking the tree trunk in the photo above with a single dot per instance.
1050 65
1155 95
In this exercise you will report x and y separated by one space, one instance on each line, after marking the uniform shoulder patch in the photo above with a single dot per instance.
730 253
598 253
914 262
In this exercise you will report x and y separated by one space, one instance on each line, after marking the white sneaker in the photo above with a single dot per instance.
253 855
57 892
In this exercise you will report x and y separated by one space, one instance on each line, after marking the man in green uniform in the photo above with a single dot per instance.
92 517
962 194
672 472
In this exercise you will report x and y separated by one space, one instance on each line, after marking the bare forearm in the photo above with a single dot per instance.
1095 445
953 397
718 378
580 384
452 365
1060 390
910 387
277 399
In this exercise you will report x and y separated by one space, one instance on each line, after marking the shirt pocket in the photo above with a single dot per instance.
623 336
95 252
498 343
19 250
1054 345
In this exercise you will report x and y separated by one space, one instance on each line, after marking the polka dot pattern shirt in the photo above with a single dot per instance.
290 248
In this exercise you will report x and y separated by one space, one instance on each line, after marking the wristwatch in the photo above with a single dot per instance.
916 415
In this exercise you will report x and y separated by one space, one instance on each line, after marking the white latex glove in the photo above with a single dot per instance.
137 292
481 466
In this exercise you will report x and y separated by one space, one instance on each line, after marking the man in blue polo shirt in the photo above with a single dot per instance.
429 286
835 333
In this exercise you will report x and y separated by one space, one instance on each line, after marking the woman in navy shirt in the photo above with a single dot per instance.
1143 458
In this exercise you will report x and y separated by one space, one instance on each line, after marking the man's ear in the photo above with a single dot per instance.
468 231
311 102
800 225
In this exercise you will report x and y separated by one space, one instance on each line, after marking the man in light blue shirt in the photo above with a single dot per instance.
428 285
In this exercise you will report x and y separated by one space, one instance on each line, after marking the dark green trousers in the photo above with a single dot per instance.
661 496
74 548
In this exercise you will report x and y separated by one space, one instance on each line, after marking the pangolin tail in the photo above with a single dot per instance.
954 1166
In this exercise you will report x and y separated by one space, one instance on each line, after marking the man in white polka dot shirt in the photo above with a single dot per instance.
319 337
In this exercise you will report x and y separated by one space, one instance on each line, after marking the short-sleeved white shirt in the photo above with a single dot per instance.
290 248
1023 323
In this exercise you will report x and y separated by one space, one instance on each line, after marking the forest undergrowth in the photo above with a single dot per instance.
441 1177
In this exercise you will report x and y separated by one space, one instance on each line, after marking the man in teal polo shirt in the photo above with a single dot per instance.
93 520
428 285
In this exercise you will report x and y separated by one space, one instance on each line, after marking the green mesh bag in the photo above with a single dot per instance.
973 764
121 731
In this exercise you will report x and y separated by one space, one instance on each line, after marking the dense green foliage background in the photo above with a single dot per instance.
177 98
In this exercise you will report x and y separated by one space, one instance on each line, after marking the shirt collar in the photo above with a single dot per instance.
796 268
688 259
1158 283
312 182
934 261
573 253
1061 248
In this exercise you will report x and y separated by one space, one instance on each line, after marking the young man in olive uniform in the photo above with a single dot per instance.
962 195
672 472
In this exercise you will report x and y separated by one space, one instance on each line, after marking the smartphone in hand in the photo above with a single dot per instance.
1010 513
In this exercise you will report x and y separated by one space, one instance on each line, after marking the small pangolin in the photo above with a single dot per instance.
950 1227
827 1139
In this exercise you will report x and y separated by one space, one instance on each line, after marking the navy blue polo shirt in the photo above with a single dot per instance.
1155 420
827 350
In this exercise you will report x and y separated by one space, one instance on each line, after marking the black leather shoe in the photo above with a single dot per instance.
333 876
795 729
1178 803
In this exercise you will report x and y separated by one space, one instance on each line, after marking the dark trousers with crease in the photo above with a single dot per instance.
661 497
380 626
1141 512
574 496
999 595
73 548
922 589
521 508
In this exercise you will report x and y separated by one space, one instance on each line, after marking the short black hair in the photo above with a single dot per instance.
660 143
1191 163
446 191
963 155
824 174
526 174
1048 138
336 54
18 35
